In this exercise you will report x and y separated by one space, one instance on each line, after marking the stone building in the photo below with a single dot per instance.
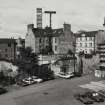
40 40
7 49
86 41
100 71
65 65
100 37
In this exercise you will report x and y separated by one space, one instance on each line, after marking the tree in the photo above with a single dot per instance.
28 60
28 56
47 50
45 72
70 52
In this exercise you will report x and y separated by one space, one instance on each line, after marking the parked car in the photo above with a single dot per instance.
95 96
28 80
47 78
36 79
66 75
2 90
84 99
21 83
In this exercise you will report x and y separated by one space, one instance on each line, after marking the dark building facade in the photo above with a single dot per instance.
100 71
61 39
7 49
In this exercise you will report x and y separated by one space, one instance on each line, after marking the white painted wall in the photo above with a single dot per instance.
30 40
86 49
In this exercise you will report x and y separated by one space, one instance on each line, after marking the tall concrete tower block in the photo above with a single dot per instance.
39 18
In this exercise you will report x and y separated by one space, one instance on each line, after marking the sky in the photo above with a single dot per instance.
81 14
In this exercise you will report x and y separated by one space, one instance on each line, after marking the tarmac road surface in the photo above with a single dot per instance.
55 92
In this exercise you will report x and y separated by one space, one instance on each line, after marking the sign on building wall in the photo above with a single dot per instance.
39 17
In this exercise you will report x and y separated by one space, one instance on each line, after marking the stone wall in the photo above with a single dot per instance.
88 63
66 40
7 52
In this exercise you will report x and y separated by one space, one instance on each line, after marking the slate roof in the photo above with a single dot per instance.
86 33
7 40
47 32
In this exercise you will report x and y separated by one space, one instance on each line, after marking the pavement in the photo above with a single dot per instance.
54 92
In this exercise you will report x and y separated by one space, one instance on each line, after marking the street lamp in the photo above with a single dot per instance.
9 75
74 47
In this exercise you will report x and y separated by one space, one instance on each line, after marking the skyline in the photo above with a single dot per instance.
81 14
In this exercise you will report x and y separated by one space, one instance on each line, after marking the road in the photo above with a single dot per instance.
55 92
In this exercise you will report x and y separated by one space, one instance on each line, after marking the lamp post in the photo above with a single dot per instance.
9 75
74 46
50 29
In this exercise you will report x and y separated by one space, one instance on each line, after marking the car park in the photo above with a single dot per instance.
84 99
95 96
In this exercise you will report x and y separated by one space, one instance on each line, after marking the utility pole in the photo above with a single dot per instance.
50 12
74 47
50 36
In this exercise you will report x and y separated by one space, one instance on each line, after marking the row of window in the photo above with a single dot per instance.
6 50
102 58
41 40
85 38
86 45
85 50
6 55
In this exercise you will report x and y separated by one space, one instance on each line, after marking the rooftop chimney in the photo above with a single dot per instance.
39 17
30 27
104 22
67 27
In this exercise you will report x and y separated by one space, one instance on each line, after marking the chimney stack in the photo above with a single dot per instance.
104 22
39 17
30 26
67 27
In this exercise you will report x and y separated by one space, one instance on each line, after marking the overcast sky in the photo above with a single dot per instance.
81 14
